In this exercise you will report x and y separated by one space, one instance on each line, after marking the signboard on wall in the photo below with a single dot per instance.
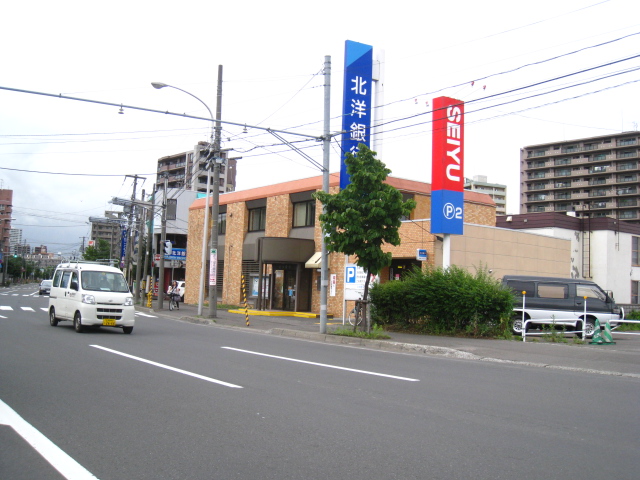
356 101
447 166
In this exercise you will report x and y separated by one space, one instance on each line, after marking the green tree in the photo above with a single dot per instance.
360 219
101 251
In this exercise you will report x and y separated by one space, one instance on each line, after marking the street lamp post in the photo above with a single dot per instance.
159 85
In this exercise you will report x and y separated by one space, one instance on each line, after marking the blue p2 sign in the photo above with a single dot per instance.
350 275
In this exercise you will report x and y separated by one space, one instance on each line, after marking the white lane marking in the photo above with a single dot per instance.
146 315
27 309
44 309
173 369
324 365
2 316
58 459
5 307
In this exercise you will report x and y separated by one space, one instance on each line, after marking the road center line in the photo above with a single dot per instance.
173 369
324 365
53 454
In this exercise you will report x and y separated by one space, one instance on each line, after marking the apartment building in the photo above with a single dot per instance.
496 191
186 170
595 177
6 207
109 229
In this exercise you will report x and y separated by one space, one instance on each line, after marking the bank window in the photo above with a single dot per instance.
257 219
222 224
304 214
553 290
635 246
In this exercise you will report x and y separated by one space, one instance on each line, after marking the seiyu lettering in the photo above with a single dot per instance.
453 138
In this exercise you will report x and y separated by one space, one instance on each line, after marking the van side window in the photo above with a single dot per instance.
590 291
74 280
518 287
56 278
65 279
553 290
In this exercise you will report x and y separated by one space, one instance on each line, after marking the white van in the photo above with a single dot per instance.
91 294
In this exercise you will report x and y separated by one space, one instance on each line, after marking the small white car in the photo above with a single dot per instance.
90 294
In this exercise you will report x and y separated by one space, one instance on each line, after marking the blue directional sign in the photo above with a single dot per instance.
356 101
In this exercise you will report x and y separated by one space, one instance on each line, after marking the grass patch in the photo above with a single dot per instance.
377 333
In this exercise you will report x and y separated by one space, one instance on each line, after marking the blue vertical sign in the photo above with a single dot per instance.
356 102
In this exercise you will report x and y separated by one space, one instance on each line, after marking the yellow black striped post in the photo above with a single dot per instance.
244 296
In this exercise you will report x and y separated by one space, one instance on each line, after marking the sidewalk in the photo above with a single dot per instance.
621 359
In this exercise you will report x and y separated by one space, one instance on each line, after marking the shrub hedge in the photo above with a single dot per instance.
444 301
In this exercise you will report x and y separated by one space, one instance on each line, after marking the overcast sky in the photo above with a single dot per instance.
497 56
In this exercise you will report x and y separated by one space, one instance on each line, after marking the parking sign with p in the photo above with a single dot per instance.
350 274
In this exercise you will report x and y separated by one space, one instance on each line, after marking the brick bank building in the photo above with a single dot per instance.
273 232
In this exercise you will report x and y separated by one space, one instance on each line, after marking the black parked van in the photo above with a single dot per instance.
561 302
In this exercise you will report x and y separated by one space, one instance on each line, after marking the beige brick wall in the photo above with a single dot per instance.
279 216
413 235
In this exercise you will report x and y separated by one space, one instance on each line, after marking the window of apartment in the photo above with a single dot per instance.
562 161
627 202
634 292
627 178
629 214
257 219
635 251
563 172
626 141
600 156
627 166
304 214
627 154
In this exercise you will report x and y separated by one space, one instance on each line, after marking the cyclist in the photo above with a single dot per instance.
174 294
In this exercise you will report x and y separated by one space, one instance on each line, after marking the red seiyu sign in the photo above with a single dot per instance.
447 166
448 145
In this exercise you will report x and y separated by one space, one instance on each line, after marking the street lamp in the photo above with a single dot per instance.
159 85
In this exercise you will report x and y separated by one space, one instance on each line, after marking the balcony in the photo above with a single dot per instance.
533 176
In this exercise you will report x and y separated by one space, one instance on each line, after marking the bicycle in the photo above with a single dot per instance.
355 316
173 301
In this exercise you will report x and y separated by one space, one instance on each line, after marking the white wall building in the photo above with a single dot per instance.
603 249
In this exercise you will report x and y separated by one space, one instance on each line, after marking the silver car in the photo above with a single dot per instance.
45 286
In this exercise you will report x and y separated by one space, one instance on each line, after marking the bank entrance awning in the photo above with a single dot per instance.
314 261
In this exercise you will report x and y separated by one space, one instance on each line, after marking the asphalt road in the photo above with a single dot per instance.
177 400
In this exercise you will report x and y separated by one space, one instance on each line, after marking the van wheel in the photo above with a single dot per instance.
589 329
52 317
516 326
77 323
127 329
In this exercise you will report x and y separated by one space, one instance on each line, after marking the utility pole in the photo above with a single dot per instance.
215 208
326 145
141 217
127 255
148 258
82 249
163 238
